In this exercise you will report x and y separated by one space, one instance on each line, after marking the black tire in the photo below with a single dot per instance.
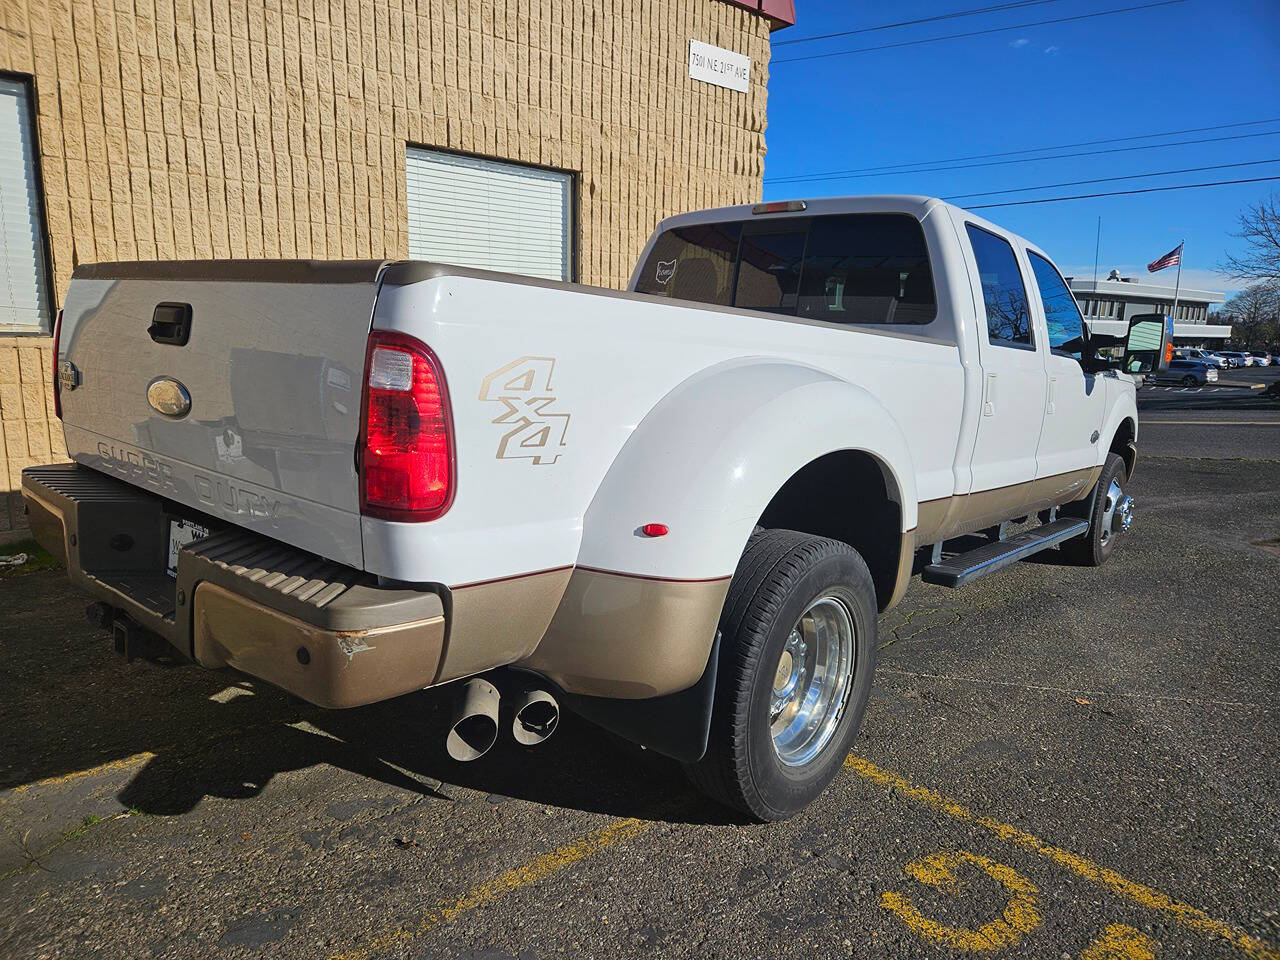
1190 381
1093 549
781 574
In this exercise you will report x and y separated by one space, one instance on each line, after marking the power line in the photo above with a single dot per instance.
912 23
1134 176
978 33
901 167
1123 193
809 178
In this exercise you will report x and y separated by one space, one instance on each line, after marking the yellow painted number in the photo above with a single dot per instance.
1021 914
1121 942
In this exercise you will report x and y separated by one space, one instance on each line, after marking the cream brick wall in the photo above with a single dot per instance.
277 128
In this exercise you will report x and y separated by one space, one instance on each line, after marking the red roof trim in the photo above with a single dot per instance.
781 12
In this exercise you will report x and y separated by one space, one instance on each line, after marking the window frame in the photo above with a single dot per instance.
1031 326
46 250
1084 327
573 215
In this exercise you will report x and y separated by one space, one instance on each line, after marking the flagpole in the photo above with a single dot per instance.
1177 286
1097 245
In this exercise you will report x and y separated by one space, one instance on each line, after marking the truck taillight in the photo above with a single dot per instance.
57 387
406 454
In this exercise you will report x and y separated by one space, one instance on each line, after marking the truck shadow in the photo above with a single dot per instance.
74 716
401 743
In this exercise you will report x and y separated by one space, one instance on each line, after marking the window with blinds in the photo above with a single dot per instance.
24 290
489 215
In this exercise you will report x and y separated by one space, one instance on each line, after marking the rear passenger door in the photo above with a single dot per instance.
1075 400
1013 374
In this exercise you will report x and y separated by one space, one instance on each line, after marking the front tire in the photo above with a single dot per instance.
1109 518
1190 381
797 654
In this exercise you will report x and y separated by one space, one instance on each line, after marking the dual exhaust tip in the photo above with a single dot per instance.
474 726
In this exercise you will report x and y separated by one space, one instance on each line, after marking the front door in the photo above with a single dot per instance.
1075 401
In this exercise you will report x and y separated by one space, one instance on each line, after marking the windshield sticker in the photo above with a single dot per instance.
666 270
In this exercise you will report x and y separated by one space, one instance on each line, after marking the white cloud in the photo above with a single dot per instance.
1020 43
1051 50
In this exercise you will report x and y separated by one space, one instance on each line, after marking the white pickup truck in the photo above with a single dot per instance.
675 510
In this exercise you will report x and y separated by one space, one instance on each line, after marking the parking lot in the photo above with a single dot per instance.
1056 762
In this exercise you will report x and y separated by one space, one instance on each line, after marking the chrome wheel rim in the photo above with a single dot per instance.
811 681
1117 512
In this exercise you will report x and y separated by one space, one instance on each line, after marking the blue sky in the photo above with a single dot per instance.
1193 64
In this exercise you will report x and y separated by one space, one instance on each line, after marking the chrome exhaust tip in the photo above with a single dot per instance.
536 718
475 721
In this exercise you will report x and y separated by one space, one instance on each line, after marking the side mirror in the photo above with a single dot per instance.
1148 347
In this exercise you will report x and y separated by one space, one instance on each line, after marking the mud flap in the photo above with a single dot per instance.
676 725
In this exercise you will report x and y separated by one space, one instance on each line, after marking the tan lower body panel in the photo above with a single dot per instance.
955 516
341 668
906 560
630 637
496 623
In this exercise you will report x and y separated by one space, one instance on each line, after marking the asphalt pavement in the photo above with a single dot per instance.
1056 762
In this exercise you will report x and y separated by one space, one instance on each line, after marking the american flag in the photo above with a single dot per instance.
1170 259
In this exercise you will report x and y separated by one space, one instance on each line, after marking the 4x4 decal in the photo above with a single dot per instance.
532 431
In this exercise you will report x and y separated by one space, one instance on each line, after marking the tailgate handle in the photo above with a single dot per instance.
171 324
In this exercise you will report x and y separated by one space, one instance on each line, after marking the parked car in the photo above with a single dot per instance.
1189 373
1205 356
676 510
1262 359
1237 358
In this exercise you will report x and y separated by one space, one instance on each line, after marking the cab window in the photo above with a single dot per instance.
858 268
693 263
1003 294
1061 314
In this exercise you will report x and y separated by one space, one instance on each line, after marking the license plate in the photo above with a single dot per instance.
182 532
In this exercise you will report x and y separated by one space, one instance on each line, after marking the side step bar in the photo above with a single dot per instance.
959 570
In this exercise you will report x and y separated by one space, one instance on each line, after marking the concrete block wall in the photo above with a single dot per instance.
278 128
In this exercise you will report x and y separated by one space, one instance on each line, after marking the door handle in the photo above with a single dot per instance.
171 324
989 395
1048 408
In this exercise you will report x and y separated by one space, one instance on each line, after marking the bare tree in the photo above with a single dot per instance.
1260 230
1254 315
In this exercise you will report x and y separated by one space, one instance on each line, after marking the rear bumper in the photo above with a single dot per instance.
325 632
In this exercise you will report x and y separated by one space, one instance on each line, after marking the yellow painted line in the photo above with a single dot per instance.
124 763
134 760
486 893
1190 917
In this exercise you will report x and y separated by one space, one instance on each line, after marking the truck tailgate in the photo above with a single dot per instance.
272 367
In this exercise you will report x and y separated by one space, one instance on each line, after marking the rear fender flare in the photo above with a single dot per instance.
708 458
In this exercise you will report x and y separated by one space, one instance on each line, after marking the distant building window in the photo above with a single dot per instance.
1003 294
24 279
489 215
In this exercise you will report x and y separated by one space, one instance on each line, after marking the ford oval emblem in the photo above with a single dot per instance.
166 395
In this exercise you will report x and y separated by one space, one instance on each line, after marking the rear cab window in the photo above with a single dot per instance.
1003 293
861 268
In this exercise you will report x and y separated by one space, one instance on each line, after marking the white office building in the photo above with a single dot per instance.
1108 304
